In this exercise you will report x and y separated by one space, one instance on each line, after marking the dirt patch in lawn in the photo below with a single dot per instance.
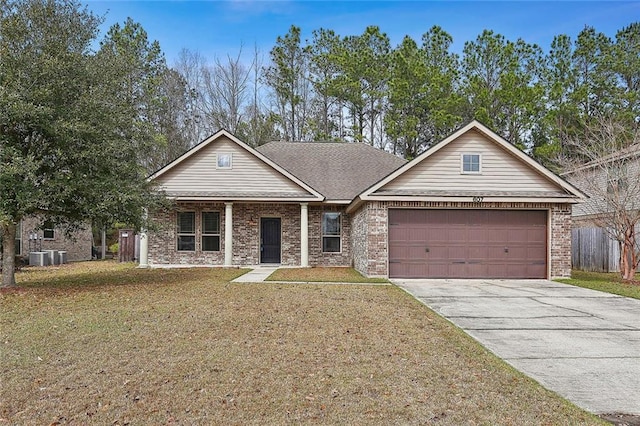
188 347
323 274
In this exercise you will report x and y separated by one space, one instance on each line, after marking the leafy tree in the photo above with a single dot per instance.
65 154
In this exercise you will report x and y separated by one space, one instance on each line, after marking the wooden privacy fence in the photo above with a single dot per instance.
126 245
592 249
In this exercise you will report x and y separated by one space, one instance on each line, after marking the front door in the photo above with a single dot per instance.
270 240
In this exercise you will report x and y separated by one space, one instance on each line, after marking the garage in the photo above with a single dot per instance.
467 243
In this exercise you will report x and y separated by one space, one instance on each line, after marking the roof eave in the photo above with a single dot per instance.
245 199
475 200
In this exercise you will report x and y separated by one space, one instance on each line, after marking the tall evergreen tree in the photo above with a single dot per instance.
288 78
137 67
501 84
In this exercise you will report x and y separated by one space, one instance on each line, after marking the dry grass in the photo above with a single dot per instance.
335 275
118 345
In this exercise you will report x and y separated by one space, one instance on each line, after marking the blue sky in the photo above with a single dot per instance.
218 28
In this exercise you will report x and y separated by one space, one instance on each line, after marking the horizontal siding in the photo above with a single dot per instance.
248 173
595 182
500 170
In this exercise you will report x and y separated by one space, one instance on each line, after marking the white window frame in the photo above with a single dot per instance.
325 235
470 172
185 234
204 232
220 160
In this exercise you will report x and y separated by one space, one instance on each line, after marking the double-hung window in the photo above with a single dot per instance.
186 231
331 232
210 231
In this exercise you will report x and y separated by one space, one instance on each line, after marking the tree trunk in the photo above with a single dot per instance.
8 254
628 261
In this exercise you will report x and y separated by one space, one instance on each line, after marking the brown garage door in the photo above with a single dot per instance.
467 243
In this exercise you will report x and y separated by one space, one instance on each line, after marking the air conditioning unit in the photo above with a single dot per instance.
38 258
62 257
53 257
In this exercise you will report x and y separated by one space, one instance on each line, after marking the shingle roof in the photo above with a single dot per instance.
338 170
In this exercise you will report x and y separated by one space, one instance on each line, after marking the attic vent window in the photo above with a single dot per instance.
224 161
471 164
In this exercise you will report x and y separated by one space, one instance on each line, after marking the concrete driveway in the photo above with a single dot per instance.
582 344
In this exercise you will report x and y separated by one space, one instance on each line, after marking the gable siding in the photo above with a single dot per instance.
248 174
500 170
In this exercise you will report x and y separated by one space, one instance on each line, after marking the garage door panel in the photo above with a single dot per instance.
457 235
455 270
477 234
467 243
497 235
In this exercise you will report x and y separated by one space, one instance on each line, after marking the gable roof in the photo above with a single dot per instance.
568 192
310 194
338 170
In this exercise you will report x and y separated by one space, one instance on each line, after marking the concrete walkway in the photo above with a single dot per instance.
580 343
256 275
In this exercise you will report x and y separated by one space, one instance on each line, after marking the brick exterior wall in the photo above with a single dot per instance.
364 234
316 256
371 252
246 235
163 237
359 233
77 248
560 240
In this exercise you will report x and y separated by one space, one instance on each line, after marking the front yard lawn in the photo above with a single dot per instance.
607 282
336 275
103 343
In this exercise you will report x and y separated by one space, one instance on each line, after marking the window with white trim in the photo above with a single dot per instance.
210 231
331 232
224 161
471 164
186 228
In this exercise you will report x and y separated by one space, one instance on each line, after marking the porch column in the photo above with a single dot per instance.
144 245
228 234
304 235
